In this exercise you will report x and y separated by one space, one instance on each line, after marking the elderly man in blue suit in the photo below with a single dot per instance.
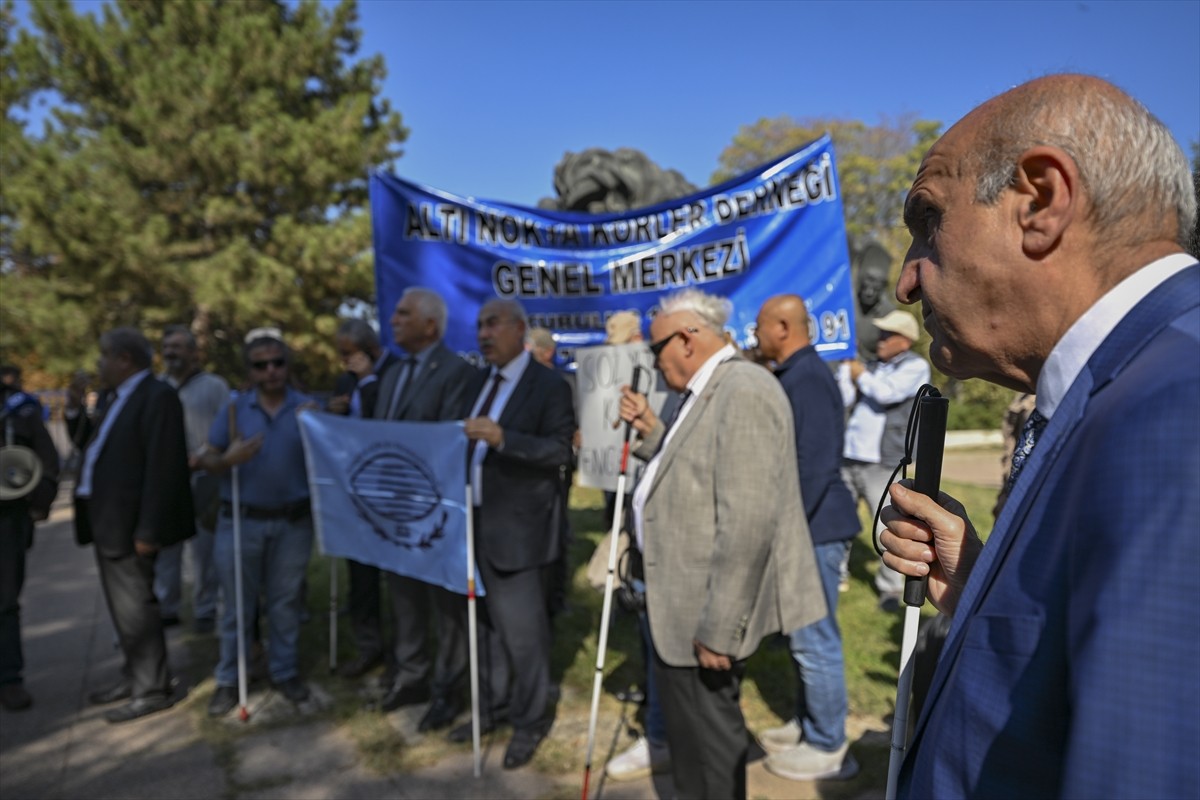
1048 230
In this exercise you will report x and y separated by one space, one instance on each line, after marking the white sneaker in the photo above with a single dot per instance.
783 738
806 763
639 761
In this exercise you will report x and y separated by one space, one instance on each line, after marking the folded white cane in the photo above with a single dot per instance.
614 534
239 605
931 440
472 643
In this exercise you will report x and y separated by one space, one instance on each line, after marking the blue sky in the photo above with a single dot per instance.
495 92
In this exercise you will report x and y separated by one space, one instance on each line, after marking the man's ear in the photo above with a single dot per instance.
1049 194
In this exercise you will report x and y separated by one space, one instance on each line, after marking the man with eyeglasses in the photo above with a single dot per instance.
276 523
727 555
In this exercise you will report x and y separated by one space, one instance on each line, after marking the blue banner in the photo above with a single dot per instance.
778 229
391 494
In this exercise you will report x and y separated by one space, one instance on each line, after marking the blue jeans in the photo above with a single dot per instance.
656 723
168 576
275 555
821 702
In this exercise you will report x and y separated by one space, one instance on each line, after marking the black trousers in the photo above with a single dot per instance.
414 603
705 730
15 530
128 583
365 597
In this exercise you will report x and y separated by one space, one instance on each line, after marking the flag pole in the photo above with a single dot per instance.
333 626
472 644
240 608
614 535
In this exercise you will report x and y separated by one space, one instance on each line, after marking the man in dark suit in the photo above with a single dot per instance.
427 385
813 745
355 393
1048 254
134 497
520 423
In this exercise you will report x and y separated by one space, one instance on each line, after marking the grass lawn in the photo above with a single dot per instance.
871 642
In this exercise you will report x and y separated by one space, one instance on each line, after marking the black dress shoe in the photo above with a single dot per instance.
223 701
463 732
170 621
294 689
400 696
440 715
14 697
140 707
359 666
522 747
114 693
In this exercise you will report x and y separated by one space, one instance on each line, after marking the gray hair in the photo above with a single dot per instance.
713 311
540 338
431 305
1134 171
130 342
360 333
515 310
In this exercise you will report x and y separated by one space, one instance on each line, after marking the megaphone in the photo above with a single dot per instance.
20 472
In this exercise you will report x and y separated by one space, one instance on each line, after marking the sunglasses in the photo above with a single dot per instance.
278 363
656 348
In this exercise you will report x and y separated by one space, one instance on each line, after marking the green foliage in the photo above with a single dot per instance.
207 165
876 164
975 404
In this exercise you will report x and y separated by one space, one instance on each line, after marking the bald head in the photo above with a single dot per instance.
1137 180
782 327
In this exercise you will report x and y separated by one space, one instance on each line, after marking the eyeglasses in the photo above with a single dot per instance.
278 363
656 348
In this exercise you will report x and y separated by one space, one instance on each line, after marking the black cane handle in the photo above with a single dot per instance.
931 445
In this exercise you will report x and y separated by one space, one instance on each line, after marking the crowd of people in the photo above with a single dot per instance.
1049 234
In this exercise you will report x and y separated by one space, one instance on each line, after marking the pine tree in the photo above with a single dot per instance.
206 163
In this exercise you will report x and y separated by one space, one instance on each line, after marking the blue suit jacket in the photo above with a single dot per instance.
1072 665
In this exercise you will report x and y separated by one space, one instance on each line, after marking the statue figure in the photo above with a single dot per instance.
870 265
600 181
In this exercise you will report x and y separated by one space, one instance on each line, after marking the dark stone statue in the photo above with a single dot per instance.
600 181
870 264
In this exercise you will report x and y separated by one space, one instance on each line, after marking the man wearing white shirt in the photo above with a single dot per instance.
719 518
1048 234
880 396
520 423
133 498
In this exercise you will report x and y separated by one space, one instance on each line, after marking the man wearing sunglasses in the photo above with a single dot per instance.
276 523
728 558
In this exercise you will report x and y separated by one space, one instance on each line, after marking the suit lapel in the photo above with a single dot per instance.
1139 327
417 381
520 395
685 427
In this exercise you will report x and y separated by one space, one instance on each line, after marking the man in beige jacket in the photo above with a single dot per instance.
719 519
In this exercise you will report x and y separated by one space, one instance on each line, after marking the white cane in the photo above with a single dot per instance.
472 645
931 441
333 627
239 604
614 534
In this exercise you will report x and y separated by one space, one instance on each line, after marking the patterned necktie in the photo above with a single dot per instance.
671 420
1030 432
483 411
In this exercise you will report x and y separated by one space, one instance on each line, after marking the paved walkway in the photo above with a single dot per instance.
63 749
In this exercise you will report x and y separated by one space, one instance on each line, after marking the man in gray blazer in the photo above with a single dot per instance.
721 525
427 385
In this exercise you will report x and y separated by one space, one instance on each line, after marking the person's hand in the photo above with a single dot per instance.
360 364
635 409
484 429
710 659
144 548
340 404
856 368
927 538
242 450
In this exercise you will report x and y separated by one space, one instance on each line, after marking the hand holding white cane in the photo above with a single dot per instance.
618 513
931 410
